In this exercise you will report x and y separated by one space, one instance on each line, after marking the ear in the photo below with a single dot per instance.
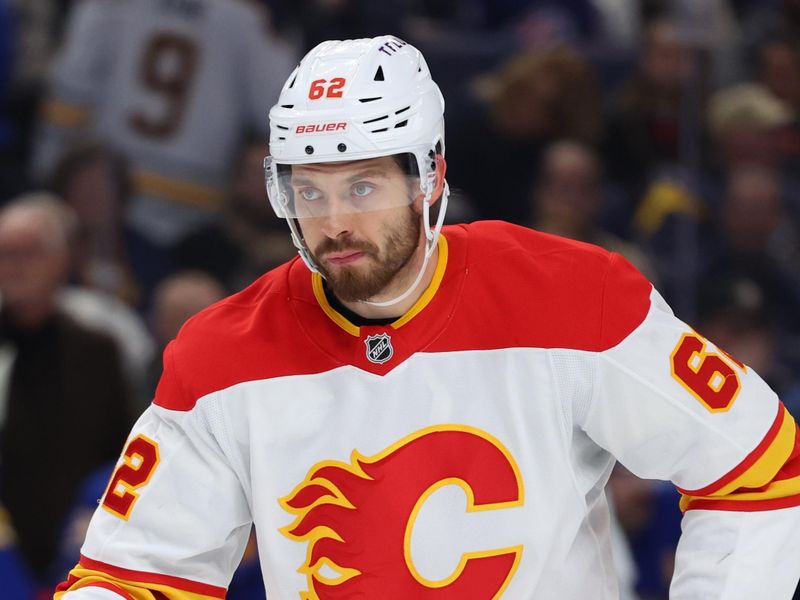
441 169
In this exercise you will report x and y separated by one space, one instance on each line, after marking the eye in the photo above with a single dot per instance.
362 189
309 194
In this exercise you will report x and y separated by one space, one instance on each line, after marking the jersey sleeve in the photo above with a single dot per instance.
669 404
174 519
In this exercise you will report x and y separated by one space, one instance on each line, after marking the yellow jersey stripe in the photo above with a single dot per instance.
65 115
177 190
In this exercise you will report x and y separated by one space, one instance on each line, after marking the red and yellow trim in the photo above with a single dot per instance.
177 190
333 314
135 585
768 477
64 114
419 305
430 291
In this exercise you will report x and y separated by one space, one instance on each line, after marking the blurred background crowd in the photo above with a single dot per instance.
131 196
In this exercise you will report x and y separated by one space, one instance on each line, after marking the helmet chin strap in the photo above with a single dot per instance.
428 252
431 240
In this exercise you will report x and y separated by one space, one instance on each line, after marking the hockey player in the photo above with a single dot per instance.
414 411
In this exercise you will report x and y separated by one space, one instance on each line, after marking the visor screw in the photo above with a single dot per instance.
309 149
341 147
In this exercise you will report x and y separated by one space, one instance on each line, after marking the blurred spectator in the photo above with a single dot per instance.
569 196
248 240
177 298
30 37
110 256
94 182
65 402
779 71
105 313
755 243
172 86
645 118
531 101
744 121
753 218
711 31
539 95
676 218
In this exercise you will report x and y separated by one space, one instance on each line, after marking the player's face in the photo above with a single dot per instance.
363 251
33 261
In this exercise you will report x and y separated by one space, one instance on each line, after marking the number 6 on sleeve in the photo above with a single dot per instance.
139 462
706 375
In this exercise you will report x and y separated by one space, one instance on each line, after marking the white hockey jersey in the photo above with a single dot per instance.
171 84
460 452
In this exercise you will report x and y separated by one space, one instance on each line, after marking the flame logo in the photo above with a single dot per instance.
357 518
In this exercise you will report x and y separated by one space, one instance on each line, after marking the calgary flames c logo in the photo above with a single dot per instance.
357 518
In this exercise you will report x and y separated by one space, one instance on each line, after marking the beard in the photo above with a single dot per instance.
352 284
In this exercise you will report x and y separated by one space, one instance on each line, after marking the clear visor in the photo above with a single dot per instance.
319 190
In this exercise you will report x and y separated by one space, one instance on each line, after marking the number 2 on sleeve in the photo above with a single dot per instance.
139 461
706 375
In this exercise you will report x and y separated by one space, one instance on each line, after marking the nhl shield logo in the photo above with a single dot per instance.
379 348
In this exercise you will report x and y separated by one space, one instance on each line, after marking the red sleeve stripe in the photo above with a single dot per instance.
65 585
179 583
739 505
769 455
782 491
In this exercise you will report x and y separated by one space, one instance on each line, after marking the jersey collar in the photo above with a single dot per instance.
423 301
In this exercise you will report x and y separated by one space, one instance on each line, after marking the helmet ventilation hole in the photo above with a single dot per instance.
379 75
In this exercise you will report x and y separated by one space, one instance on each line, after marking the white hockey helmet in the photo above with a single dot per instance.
352 100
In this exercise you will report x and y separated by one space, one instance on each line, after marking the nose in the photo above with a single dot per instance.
339 220
336 225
